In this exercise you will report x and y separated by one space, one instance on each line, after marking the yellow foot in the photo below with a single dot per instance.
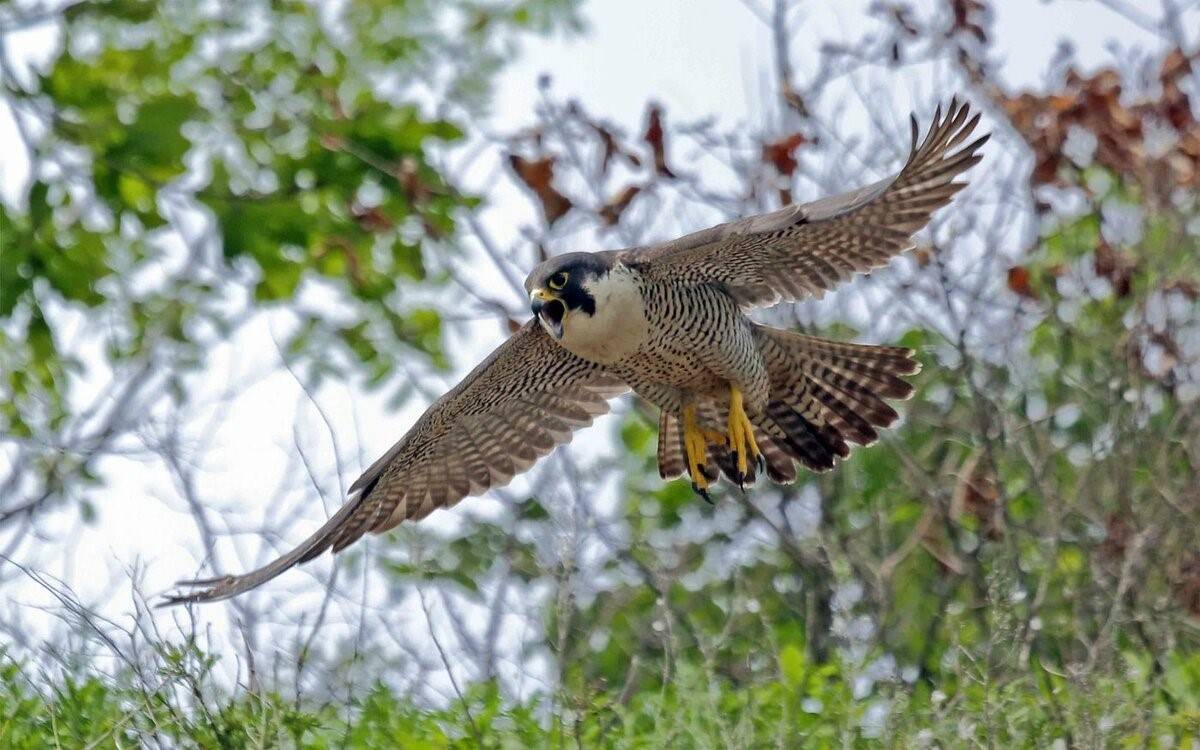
695 446
741 437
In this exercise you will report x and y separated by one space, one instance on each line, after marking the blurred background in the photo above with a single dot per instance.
244 244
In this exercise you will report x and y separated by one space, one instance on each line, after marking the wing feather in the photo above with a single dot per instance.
511 410
803 250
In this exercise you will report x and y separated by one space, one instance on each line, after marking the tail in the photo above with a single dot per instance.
824 395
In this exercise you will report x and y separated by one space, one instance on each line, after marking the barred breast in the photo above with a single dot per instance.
701 343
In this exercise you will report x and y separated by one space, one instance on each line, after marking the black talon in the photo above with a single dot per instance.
702 493
761 463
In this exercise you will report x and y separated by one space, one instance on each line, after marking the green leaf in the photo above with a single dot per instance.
792 664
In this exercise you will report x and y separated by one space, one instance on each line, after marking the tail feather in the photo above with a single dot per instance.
716 414
813 401
781 469
856 414
824 395
671 461
815 446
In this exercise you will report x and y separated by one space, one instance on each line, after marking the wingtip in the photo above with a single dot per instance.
192 582
209 589
173 600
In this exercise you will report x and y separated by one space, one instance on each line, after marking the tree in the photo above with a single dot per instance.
193 166
1014 564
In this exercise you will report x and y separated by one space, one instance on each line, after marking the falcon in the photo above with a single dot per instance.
668 321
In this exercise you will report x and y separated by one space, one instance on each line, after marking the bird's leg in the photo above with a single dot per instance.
741 435
695 440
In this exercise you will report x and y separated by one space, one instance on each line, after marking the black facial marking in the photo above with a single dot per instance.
581 268
578 298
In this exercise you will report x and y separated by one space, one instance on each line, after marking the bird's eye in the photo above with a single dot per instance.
559 280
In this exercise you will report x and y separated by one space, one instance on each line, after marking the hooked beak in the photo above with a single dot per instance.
550 310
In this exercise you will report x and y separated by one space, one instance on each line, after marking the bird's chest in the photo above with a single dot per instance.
618 329
701 341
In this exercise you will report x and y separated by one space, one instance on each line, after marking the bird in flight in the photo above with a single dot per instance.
668 321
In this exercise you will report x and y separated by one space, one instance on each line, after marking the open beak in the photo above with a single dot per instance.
550 310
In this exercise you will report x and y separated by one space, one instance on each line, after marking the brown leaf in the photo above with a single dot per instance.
408 174
1175 66
371 219
1187 587
1096 103
1117 533
1177 107
331 142
657 140
1019 281
794 101
1115 266
978 495
781 153
611 212
538 176
968 17
612 148
1189 289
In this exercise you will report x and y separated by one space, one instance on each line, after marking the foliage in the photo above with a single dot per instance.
802 705
194 165
1014 564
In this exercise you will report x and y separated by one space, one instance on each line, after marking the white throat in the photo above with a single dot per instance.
619 326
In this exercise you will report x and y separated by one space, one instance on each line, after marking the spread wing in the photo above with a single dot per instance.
514 408
802 250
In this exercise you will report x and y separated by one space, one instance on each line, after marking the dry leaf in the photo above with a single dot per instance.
1187 588
611 212
612 148
978 495
371 219
1115 266
968 17
781 153
1095 103
657 140
538 176
1116 537
1020 282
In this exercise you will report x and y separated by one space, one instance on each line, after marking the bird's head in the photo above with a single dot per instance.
559 288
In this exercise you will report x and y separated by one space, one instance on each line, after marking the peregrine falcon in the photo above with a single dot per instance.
668 321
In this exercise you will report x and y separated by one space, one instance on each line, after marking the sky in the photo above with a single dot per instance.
697 57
